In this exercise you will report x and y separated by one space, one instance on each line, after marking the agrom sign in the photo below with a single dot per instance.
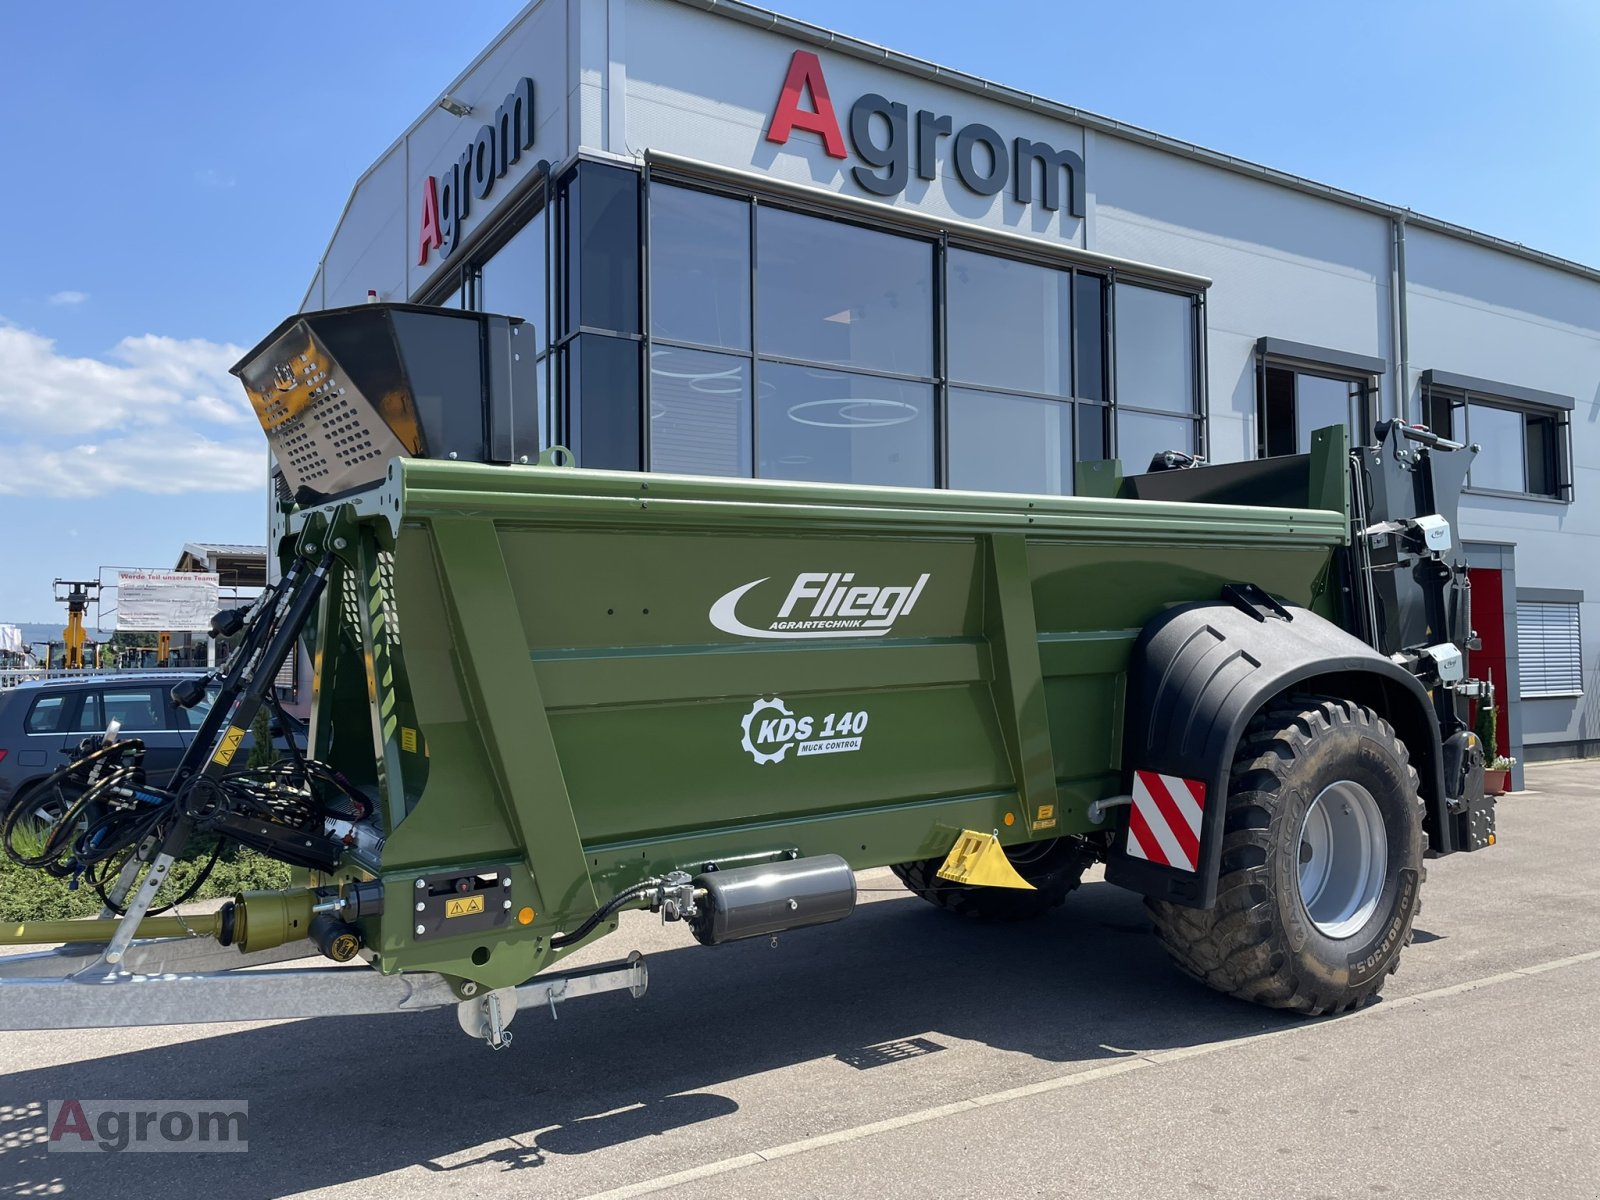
447 200
891 143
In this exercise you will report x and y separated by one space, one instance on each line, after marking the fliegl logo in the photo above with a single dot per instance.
771 730
838 607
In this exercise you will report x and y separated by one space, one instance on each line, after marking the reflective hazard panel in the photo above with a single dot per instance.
1164 825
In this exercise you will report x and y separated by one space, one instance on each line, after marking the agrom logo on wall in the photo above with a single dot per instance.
497 146
984 161
839 607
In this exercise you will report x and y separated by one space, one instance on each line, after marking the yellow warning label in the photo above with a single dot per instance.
1047 812
979 859
229 747
408 739
464 907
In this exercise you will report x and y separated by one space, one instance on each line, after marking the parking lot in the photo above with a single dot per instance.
909 1053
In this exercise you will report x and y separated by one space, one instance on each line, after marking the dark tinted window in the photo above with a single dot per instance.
48 715
604 372
839 428
1089 337
602 249
193 718
91 717
1543 478
699 267
133 708
837 293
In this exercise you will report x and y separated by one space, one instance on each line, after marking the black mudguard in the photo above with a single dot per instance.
1197 675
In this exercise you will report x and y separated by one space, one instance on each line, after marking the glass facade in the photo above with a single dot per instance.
688 330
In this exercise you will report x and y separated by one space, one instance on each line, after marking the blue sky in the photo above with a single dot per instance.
177 168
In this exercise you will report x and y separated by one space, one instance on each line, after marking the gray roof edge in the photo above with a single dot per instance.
763 18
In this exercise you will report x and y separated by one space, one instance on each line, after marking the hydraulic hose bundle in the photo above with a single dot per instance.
87 819
98 820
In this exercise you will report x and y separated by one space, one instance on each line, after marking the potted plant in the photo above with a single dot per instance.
1497 766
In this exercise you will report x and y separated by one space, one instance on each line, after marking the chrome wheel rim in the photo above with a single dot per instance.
1343 852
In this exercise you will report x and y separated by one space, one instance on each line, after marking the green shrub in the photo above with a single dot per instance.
1485 724
27 894
262 752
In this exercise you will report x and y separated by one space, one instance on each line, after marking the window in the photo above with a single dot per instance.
1010 324
1522 435
1301 389
133 709
48 715
192 718
513 279
786 344
1157 398
1010 443
598 326
1292 405
91 718
699 412
844 428
1549 649
828 292
700 409
1023 340
699 268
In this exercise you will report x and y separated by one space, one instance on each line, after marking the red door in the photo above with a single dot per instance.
1489 623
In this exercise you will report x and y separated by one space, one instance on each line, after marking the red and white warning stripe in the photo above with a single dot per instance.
1164 827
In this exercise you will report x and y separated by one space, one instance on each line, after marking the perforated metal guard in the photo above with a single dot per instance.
325 434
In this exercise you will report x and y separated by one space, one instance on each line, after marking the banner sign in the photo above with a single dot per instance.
166 601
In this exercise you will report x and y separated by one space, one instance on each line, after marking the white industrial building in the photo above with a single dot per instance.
751 246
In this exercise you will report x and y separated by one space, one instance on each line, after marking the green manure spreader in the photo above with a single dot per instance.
543 696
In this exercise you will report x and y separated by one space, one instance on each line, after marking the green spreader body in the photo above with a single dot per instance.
557 683
585 678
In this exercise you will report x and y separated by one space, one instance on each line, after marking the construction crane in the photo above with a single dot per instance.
78 593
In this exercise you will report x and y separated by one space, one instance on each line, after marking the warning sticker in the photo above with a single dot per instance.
465 906
229 747
1045 818
408 739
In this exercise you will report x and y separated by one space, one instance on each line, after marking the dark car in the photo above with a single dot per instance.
39 720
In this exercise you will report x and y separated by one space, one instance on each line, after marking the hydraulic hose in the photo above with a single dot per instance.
562 940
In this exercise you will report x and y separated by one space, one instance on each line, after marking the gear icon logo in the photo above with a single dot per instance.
775 705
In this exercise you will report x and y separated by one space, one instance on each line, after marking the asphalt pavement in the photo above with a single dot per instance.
906 1052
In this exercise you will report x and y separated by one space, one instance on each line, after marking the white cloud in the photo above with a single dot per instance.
158 415
69 298
157 463
212 178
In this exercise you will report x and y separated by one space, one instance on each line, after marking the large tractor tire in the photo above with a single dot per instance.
1054 868
1321 863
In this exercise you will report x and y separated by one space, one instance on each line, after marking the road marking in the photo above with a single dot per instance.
1121 1066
